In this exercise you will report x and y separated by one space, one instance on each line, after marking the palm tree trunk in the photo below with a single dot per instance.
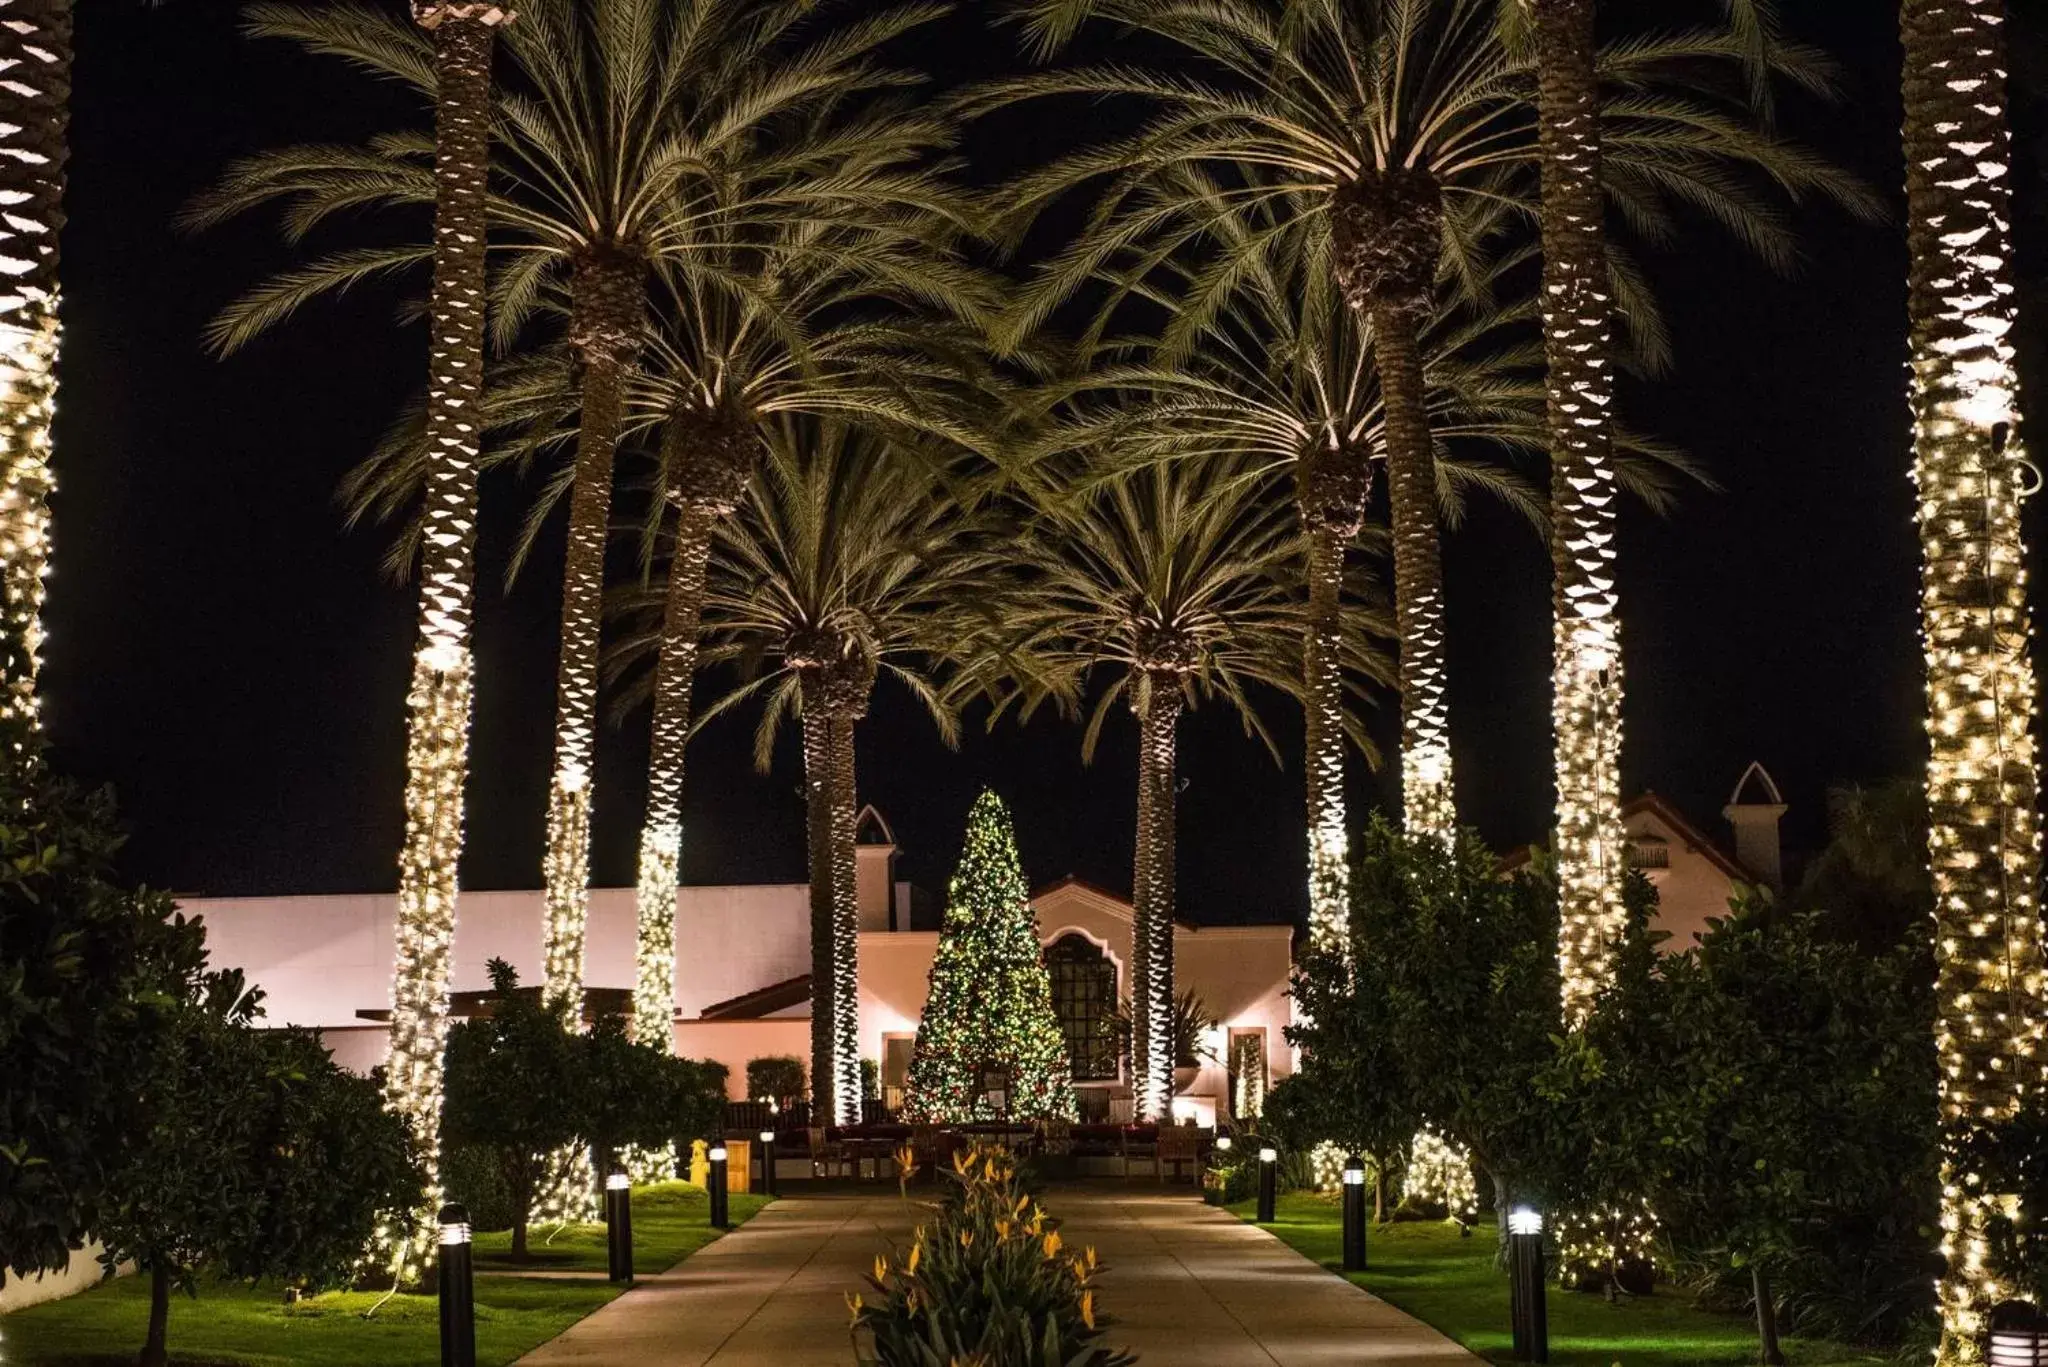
661 839
818 785
608 305
1591 844
437 747
35 103
1152 894
1334 489
1428 805
1982 785
845 814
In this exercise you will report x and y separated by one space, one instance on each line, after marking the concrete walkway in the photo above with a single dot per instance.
1187 1286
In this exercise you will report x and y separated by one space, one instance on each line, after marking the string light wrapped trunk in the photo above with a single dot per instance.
1976 626
35 102
439 700
1335 484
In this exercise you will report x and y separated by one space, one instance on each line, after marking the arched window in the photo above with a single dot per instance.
1084 997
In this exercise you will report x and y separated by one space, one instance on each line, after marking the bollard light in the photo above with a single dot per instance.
618 1226
1527 1306
457 1289
1268 1182
1354 1214
1223 1143
2019 1335
768 1163
716 1178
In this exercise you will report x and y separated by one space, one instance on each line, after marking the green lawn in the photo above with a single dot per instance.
1450 1283
232 1326
670 1222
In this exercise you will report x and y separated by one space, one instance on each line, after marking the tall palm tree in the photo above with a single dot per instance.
1178 581
846 563
1405 126
35 115
636 134
437 745
1982 782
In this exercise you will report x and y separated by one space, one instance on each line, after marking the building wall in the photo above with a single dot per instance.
1693 888
82 1273
733 1043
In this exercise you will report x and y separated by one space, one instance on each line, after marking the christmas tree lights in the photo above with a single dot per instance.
989 1011
1976 627
35 94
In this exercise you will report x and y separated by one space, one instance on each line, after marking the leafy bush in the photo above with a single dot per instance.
988 1281
470 1175
778 1078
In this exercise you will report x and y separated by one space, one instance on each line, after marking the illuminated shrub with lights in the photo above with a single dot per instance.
988 1280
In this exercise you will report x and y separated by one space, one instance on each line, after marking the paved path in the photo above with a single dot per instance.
1187 1285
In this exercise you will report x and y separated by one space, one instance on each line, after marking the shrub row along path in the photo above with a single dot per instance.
1187 1286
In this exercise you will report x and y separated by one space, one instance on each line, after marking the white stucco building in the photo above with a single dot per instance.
743 971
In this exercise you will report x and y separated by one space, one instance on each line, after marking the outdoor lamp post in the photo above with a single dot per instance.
618 1226
1525 1277
1354 1214
457 1289
1269 1162
717 1183
768 1162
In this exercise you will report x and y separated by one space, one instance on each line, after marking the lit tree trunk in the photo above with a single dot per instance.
1158 707
437 747
1591 844
1334 488
834 697
609 302
35 99
1982 787
1388 232
709 463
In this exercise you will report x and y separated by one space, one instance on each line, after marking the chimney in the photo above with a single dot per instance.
1753 810
874 861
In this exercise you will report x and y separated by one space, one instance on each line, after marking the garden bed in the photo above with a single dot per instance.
1451 1284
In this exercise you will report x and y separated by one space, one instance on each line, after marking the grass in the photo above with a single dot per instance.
233 1326
671 1221
1450 1284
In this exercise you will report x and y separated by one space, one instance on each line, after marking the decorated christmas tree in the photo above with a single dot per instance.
989 1046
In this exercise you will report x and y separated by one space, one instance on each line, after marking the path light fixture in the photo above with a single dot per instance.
1269 1163
1526 1279
768 1163
1354 1214
618 1225
2019 1336
716 1180
457 1289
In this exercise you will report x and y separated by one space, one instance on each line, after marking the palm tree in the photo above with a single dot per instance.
810 338
1982 785
846 563
1405 127
1179 581
35 115
637 134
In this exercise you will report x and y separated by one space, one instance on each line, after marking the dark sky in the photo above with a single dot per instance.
227 655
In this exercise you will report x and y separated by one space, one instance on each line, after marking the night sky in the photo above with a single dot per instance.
228 657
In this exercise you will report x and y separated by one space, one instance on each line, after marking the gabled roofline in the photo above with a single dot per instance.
1657 805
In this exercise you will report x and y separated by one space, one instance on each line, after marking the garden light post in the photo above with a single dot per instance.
457 1289
618 1226
716 1180
1526 1278
1354 1214
768 1162
1269 1162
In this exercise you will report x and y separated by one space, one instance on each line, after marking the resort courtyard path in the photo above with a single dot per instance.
1186 1286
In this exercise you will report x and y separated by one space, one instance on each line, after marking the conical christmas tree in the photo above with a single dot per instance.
988 1025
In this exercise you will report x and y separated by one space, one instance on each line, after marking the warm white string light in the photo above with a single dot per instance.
1440 1173
437 747
1976 628
35 90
